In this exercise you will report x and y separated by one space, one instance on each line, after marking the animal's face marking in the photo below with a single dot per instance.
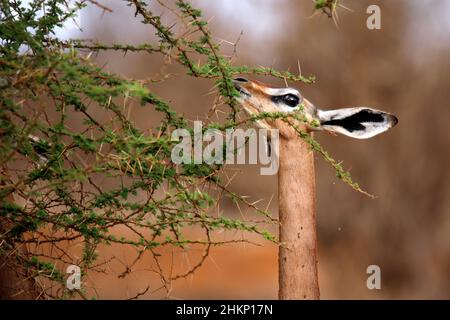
256 95
360 123
291 100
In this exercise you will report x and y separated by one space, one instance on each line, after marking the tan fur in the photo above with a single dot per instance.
260 102
297 213
298 277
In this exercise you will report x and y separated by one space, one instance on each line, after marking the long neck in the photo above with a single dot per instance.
297 213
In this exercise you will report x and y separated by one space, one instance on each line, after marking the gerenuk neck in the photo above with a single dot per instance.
298 277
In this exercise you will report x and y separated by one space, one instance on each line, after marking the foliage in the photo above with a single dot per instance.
51 190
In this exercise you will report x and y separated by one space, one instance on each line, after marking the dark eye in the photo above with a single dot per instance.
290 100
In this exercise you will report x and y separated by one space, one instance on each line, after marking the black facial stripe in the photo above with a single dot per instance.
289 99
354 122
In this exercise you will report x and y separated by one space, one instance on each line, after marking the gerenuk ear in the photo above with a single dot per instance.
359 123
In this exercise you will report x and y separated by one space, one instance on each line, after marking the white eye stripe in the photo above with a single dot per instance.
287 109
281 91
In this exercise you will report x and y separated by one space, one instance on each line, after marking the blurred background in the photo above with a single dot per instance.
404 68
